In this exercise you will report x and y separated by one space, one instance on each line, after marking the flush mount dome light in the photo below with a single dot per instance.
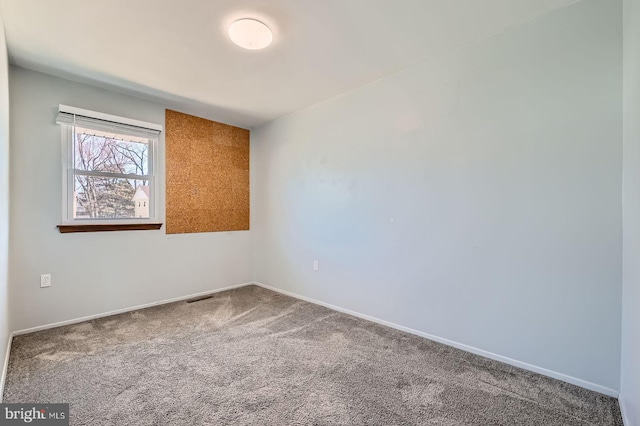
250 34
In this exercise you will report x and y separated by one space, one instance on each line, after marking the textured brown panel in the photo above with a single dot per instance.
207 171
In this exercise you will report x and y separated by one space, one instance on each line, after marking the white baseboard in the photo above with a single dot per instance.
623 410
5 366
550 373
132 308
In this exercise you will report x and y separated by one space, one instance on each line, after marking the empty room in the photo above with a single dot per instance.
334 212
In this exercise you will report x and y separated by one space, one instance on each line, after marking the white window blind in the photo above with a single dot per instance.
107 123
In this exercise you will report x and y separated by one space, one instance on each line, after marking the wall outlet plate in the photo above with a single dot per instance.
315 265
45 280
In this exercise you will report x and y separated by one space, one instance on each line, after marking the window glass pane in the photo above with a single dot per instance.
109 152
110 198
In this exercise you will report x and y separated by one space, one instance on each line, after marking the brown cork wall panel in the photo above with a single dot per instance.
207 171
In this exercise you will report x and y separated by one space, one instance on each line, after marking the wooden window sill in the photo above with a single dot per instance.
114 227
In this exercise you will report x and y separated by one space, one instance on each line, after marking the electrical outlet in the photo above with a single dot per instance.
315 265
45 280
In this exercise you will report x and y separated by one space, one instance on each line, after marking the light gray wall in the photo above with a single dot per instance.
630 381
4 199
475 196
94 273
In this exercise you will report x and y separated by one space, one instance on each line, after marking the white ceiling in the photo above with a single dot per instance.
177 51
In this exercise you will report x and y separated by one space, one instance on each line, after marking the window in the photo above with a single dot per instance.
108 168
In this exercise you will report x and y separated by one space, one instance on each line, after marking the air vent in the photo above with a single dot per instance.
197 299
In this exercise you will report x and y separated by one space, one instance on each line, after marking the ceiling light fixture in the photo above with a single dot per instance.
250 34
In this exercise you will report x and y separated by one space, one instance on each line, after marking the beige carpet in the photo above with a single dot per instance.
254 357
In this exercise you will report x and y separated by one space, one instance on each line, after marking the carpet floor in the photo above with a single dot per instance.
254 357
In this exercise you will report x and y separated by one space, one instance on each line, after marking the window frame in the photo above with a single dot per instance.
69 172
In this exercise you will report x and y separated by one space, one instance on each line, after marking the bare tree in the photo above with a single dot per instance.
102 196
